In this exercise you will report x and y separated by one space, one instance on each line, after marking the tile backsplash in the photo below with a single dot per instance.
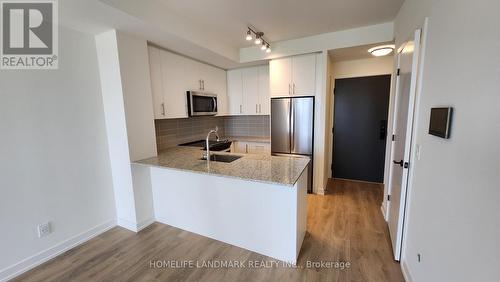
171 132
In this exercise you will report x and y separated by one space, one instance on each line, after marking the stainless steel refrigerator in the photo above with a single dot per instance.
292 128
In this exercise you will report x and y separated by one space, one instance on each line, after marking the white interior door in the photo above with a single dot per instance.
403 126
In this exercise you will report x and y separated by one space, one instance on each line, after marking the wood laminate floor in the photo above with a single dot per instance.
345 225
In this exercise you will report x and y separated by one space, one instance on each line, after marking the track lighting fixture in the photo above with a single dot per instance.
259 39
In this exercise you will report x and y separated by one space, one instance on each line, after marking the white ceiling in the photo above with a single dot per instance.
227 20
213 30
353 53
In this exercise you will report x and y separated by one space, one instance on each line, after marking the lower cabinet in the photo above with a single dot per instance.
246 147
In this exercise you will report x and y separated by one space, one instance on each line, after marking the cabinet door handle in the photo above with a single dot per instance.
260 109
294 88
163 109
203 84
199 83
246 148
289 89
256 108
241 109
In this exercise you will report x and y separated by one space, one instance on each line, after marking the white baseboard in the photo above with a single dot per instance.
406 272
145 223
132 226
382 208
43 256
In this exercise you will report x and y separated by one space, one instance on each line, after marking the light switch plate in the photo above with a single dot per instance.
43 229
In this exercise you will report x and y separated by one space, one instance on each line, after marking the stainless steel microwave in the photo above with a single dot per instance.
201 103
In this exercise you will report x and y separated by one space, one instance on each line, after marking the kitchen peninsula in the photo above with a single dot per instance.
257 202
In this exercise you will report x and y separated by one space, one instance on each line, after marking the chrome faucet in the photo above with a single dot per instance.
214 131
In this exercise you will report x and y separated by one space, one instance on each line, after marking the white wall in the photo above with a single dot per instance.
116 128
128 107
55 165
363 67
453 212
137 96
320 157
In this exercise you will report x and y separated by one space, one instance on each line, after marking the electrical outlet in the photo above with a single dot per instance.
43 229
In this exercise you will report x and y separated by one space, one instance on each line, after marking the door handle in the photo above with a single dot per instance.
163 109
203 84
400 163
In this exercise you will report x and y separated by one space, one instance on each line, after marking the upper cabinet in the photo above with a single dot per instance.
293 76
250 78
235 92
264 97
173 75
248 91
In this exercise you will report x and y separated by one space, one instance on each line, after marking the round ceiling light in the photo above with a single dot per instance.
380 51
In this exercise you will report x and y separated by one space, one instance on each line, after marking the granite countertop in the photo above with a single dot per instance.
281 170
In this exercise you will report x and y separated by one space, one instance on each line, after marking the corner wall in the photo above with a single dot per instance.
452 220
128 107
55 164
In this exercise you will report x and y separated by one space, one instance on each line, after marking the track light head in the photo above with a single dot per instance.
249 36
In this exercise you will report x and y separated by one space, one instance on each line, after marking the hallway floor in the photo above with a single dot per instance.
344 226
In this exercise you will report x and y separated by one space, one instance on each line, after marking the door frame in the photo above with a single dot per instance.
332 119
419 34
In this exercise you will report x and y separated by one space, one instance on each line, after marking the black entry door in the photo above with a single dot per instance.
360 127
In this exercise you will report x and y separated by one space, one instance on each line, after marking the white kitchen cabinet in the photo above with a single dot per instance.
280 77
156 81
250 79
304 75
220 88
172 75
174 85
248 91
250 147
235 92
264 97
293 76
259 148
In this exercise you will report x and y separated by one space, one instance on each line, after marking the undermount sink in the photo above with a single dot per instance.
222 158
